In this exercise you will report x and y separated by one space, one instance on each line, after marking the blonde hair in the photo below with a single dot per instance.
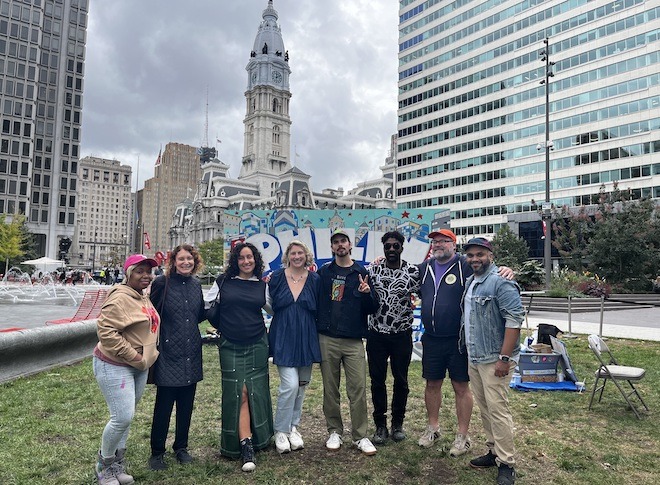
309 257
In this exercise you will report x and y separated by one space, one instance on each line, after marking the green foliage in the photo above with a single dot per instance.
626 239
619 240
572 232
531 275
509 249
13 240
566 282
212 253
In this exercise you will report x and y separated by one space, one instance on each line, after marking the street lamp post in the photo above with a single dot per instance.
94 249
546 213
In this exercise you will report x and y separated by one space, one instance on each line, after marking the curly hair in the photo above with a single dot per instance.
232 265
309 257
171 262
393 235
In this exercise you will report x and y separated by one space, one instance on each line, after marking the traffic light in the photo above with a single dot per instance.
65 244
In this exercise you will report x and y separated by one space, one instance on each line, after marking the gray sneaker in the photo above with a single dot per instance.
105 473
120 468
461 445
429 437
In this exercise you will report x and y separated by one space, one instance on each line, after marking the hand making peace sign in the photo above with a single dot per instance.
364 284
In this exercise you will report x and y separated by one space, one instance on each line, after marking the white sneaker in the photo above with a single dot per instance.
296 440
282 442
334 442
429 437
365 446
461 445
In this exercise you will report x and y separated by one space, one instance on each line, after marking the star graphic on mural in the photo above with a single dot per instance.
322 220
389 213
350 214
405 214
419 216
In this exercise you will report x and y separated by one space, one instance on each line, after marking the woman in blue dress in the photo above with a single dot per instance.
293 341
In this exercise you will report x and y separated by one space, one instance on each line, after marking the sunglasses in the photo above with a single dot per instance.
388 246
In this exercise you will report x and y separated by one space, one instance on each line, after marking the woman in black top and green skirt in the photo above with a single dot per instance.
247 415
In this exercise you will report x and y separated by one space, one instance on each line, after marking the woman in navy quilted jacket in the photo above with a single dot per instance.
178 297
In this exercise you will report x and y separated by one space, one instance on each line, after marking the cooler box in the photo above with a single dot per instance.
535 367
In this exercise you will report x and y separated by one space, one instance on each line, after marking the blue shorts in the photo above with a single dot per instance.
439 355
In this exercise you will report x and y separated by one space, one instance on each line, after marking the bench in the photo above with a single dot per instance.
89 308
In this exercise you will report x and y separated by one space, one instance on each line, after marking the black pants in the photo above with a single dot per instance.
398 348
165 399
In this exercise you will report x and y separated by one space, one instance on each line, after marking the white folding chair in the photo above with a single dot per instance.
611 370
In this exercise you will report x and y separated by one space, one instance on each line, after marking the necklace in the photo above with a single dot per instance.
297 280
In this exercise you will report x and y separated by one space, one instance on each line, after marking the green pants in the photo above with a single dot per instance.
336 352
245 365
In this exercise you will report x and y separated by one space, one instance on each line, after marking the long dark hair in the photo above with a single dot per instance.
171 263
233 270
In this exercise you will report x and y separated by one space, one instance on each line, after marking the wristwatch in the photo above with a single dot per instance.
505 358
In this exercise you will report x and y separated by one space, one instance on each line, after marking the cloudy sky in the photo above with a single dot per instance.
149 64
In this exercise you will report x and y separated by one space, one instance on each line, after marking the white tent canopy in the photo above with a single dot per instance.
45 264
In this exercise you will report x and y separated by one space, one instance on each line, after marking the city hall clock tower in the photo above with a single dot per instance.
267 138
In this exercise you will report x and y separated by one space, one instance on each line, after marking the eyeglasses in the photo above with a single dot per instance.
437 242
388 246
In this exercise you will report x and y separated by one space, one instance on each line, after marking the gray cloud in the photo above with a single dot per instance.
149 64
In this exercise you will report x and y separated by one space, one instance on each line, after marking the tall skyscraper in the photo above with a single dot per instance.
472 106
176 177
104 213
42 58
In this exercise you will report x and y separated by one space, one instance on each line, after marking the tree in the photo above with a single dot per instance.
509 249
12 240
212 253
572 232
625 245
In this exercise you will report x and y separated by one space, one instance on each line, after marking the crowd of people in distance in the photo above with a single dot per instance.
148 332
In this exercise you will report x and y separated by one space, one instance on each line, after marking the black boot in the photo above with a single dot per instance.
247 455
157 462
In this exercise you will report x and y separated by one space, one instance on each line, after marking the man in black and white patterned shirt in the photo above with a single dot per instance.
390 334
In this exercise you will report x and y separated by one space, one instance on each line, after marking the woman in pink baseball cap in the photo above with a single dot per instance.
127 329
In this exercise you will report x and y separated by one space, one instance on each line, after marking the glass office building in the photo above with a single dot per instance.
472 107
42 57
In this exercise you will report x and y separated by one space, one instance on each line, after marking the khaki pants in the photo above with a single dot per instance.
490 393
336 352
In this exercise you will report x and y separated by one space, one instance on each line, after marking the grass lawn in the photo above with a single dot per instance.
50 427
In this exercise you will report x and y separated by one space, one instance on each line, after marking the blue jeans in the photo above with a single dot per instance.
122 388
293 381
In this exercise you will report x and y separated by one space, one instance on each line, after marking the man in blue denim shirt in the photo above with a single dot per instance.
492 317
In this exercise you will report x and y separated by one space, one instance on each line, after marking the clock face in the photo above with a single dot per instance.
277 77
